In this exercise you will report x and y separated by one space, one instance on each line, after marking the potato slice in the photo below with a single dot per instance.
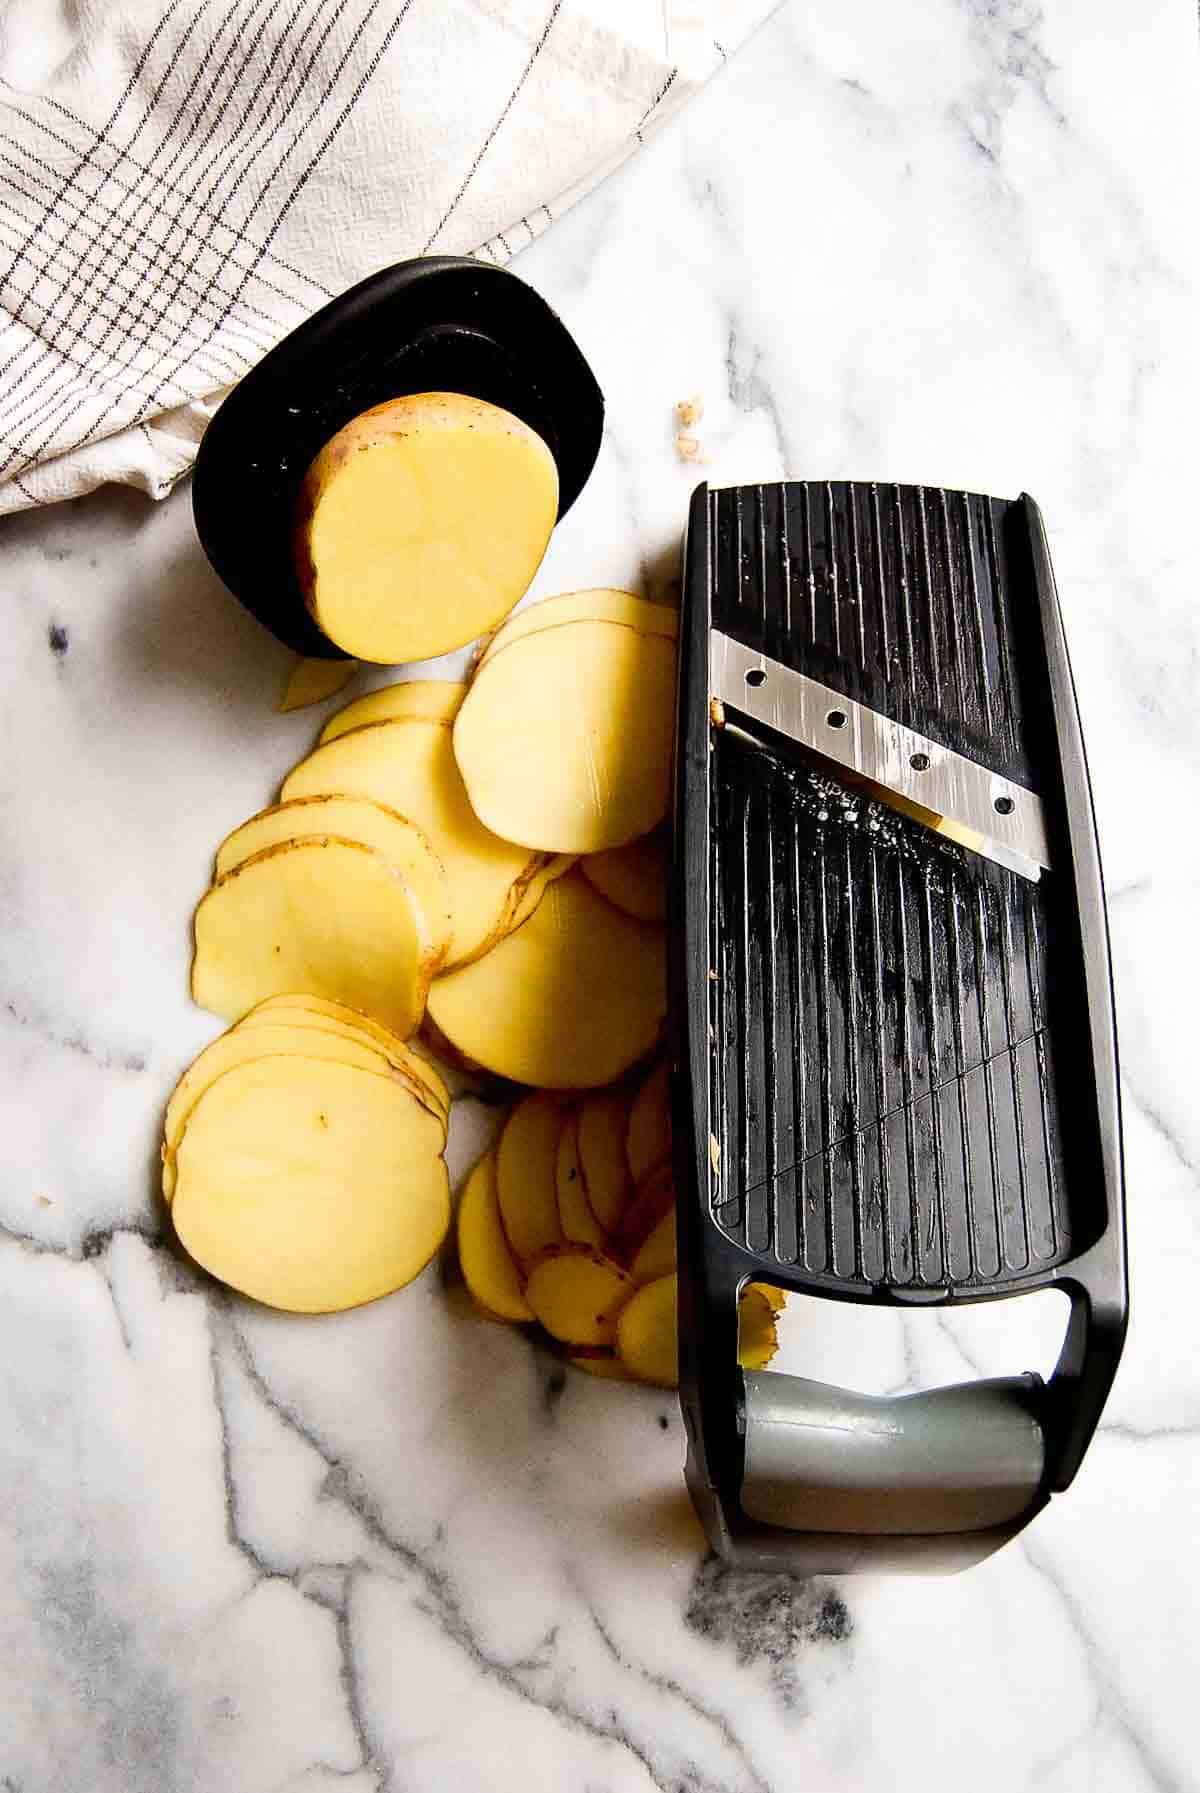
648 1141
312 681
602 605
311 1186
758 1339
409 766
433 700
526 1189
421 523
564 740
653 1197
240 1046
395 1055
633 877
607 1183
648 1333
577 1294
327 916
569 1001
489 1269
579 1225
775 1298
400 841
657 1255
300 1010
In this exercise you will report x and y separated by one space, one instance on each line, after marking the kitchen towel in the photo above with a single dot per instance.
183 181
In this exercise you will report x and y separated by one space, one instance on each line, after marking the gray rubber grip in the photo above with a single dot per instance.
823 1459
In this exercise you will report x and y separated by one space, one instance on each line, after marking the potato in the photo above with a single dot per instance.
409 766
570 1001
564 739
434 700
489 1269
577 1294
653 1197
400 842
526 1161
240 1046
600 605
648 1141
327 916
657 1254
633 877
310 1185
315 1012
421 523
579 1224
602 1122
758 1339
648 1334
312 681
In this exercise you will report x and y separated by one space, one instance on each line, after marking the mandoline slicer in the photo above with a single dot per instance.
896 1061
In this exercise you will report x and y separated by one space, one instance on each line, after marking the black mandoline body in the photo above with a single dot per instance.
897 1056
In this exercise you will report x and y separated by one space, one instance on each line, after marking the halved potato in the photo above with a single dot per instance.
434 700
579 1224
400 841
569 1001
577 1294
602 1122
312 681
648 1333
489 1269
421 523
601 605
291 1012
328 916
633 877
409 766
648 1141
526 1162
300 1010
564 740
241 1046
311 1186
657 1254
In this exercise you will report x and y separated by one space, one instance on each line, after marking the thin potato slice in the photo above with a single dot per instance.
603 1118
409 766
421 523
648 1141
394 1056
577 1294
240 1046
401 1052
579 1224
653 1197
633 877
526 1162
433 700
312 681
775 1298
657 1255
327 916
488 1266
309 1185
602 605
564 740
400 841
758 1339
648 1334
569 1001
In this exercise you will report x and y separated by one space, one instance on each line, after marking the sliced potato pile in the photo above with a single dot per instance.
421 523
553 1227
302 1157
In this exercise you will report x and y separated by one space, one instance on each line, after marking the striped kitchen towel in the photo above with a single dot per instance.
182 181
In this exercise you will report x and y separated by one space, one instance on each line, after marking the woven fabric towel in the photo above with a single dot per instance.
182 181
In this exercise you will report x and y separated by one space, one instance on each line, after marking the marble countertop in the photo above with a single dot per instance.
244 1553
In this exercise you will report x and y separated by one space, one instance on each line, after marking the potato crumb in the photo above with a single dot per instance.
689 411
716 712
688 448
714 1154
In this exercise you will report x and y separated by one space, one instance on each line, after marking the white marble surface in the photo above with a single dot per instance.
241 1553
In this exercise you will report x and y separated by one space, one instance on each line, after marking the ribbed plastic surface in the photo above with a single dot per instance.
883 1081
